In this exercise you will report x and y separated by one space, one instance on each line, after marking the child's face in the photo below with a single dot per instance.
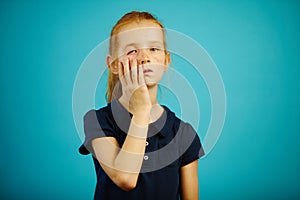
143 41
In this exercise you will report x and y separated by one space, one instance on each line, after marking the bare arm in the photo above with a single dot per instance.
189 181
123 164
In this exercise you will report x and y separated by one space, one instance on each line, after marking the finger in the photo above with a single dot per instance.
141 79
126 71
134 73
121 75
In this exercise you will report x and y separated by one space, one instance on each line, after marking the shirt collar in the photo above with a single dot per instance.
162 126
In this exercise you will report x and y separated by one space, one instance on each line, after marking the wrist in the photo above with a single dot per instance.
138 130
141 119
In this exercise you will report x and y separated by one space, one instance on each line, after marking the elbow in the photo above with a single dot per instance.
127 182
127 186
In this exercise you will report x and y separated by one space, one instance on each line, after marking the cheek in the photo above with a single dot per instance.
130 57
160 58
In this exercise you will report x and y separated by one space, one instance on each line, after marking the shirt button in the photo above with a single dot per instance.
146 157
147 143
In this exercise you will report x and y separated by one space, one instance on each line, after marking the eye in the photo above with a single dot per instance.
154 49
131 52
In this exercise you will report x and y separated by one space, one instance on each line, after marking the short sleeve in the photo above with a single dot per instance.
190 145
97 124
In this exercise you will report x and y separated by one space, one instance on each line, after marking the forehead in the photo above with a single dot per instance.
140 33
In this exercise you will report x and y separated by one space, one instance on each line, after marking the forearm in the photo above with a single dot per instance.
130 157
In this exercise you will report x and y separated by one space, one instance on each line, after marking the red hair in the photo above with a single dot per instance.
128 18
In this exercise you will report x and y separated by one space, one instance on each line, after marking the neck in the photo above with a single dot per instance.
156 110
152 93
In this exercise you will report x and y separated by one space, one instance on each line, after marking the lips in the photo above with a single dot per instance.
146 71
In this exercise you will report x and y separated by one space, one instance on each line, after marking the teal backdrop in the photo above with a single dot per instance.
255 45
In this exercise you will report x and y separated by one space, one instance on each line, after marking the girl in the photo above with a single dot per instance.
140 149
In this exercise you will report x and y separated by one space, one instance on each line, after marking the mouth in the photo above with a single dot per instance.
146 71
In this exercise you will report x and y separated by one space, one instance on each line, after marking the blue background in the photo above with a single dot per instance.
255 45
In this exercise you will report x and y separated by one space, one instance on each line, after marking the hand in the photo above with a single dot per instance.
135 93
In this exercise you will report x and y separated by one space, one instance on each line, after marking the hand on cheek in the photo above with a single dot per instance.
135 93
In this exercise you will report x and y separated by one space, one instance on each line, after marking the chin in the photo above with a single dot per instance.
150 84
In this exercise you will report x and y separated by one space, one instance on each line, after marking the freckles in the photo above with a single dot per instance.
159 59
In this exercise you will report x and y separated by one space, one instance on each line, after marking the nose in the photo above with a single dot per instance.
143 56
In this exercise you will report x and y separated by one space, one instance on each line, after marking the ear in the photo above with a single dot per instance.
167 60
112 64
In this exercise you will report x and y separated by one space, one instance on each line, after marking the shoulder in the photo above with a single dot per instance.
99 114
185 130
106 110
97 123
175 121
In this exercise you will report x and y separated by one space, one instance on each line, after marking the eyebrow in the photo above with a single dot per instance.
130 44
150 42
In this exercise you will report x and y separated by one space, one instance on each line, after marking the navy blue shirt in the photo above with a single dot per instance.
171 144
